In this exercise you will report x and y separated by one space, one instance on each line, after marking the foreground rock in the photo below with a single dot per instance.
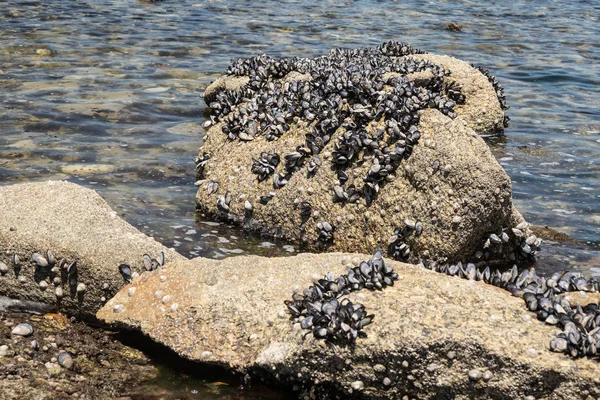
431 334
306 185
74 224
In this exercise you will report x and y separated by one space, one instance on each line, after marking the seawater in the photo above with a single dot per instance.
107 94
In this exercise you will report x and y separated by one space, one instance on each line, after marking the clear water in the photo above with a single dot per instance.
108 94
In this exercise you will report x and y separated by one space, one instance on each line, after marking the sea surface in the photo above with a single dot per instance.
108 94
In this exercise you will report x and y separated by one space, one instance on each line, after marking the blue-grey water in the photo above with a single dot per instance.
108 94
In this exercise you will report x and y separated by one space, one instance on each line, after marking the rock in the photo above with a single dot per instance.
379 368
487 376
118 308
482 111
418 322
87 169
53 368
451 183
186 128
447 232
225 83
454 27
3 350
16 305
43 52
357 385
581 298
74 223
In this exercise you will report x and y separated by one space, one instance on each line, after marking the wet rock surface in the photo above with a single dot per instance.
103 364
330 167
61 245
431 334
37 367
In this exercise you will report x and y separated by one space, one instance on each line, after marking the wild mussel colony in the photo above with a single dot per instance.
322 310
350 89
151 264
344 89
64 274
48 271
580 334
347 89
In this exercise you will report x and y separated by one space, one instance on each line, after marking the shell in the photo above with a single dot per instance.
65 360
23 329
39 260
125 271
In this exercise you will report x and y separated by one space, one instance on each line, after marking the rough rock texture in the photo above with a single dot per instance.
228 83
451 183
430 332
74 223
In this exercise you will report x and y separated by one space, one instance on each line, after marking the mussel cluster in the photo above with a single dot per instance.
49 270
454 92
499 91
150 264
223 202
542 295
201 162
514 238
337 95
398 249
63 273
265 165
325 231
321 309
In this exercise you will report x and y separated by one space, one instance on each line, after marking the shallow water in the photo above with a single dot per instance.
107 94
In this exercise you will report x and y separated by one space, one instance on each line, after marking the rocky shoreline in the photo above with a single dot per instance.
107 364
103 367
382 153
237 308
78 243
430 332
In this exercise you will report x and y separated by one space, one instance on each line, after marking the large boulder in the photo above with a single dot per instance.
433 336
74 224
450 182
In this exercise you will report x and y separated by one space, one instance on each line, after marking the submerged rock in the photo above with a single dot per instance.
429 334
339 158
67 235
